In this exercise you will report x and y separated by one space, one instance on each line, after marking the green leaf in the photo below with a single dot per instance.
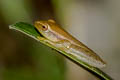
30 31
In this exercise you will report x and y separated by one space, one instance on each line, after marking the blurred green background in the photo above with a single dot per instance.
93 22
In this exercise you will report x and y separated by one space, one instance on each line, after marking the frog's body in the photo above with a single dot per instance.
61 39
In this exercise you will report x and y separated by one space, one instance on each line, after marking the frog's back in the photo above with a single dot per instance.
80 46
65 35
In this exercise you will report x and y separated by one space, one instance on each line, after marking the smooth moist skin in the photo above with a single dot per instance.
61 39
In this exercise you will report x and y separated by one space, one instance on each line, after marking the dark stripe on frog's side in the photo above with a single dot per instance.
38 32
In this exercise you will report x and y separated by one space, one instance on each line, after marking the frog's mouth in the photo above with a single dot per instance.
38 32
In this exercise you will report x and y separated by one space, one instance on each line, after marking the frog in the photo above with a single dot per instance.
55 35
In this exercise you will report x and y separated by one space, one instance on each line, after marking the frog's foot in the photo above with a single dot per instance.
41 38
45 40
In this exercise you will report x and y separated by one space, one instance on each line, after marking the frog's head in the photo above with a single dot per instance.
46 28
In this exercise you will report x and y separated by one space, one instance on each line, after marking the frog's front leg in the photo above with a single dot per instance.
45 40
63 43
41 38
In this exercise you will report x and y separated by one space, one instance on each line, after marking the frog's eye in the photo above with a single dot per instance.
44 27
